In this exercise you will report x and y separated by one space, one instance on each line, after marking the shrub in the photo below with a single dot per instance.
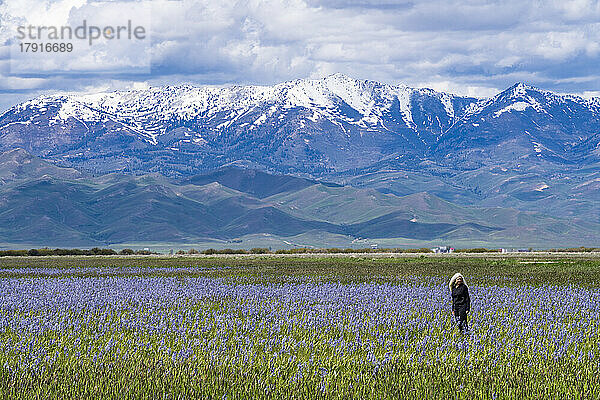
260 250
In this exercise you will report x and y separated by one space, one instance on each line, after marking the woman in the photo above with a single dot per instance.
461 302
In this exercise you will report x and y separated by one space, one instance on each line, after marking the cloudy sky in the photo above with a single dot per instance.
469 47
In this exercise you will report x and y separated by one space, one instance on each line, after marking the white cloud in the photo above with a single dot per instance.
590 94
472 48
95 36
459 89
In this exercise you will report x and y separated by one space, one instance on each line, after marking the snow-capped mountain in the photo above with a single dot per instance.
336 98
311 127
525 148
333 123
522 122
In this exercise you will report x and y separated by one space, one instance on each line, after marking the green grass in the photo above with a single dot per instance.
491 269
300 345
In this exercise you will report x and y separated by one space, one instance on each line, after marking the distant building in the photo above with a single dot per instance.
503 250
443 249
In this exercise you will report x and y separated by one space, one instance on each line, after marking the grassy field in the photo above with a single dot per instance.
298 327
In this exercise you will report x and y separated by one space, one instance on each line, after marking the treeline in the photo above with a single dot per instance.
257 250
96 251
567 250
477 250
303 250
332 250
577 250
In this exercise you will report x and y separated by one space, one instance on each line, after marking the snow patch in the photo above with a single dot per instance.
260 120
314 117
516 106
15 123
447 103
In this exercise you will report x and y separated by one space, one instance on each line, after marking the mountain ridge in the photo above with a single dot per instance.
525 147
58 209
192 119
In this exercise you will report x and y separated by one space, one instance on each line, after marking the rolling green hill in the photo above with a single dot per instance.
44 205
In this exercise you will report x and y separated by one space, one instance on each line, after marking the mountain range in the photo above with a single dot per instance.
43 204
336 156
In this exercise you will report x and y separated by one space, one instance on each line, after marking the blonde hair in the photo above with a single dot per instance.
452 283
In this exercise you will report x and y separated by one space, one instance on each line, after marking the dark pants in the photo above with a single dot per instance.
460 315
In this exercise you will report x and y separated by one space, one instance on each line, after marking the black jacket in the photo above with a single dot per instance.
460 298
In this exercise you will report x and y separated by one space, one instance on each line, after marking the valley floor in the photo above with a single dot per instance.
309 326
